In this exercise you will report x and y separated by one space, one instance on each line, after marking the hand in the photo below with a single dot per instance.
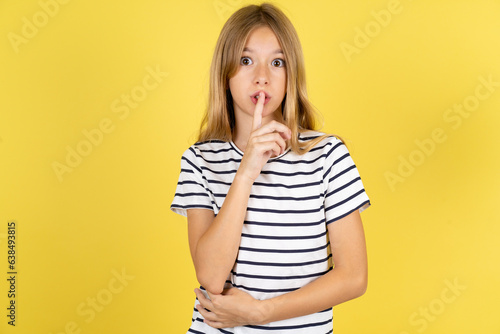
263 142
230 309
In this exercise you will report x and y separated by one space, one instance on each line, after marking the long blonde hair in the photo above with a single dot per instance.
298 113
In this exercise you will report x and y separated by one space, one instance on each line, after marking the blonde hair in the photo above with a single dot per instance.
298 113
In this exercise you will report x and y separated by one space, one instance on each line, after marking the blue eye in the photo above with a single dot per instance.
278 62
245 61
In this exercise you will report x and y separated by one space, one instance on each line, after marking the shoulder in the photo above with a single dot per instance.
325 142
207 152
212 146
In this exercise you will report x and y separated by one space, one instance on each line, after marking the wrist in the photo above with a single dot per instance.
240 177
265 311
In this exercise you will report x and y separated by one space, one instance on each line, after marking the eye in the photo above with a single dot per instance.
245 61
278 62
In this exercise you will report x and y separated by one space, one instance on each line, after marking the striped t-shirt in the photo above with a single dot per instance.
284 240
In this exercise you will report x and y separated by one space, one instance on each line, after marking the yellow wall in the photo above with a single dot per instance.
125 83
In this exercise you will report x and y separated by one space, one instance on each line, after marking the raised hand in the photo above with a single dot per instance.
264 141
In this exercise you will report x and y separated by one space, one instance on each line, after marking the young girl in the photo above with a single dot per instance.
272 205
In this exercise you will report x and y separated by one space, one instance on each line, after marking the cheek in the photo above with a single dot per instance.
231 84
235 85
281 78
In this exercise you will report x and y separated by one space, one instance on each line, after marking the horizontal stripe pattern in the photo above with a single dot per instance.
284 243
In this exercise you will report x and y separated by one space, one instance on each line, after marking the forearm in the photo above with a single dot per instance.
217 249
333 288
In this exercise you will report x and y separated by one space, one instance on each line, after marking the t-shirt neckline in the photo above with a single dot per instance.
240 152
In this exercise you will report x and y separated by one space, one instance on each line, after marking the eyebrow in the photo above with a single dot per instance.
250 50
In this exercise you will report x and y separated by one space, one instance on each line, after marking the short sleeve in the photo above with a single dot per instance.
192 189
344 191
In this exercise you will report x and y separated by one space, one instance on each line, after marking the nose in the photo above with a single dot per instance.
261 74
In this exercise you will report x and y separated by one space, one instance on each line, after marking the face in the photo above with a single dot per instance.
261 68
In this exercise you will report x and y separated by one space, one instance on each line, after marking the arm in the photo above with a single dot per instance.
214 241
347 280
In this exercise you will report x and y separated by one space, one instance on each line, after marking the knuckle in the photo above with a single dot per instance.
274 123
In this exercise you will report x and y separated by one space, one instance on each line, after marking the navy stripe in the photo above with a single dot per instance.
192 194
216 161
349 212
285 251
210 141
276 185
230 171
275 198
293 237
265 290
313 324
320 148
305 162
190 182
268 172
220 329
224 331
284 224
286 198
339 174
272 185
193 206
187 171
217 182
308 138
265 277
215 151
219 161
343 186
274 264
344 201
285 211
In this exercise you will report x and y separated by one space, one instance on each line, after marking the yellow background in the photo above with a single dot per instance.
438 225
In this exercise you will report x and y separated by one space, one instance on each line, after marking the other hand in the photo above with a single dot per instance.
230 309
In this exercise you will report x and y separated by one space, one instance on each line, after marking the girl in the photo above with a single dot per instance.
272 205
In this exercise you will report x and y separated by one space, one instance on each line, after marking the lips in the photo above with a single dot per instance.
255 95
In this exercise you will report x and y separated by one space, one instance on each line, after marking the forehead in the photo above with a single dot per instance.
262 39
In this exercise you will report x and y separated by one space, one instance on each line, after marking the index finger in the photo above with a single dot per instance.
204 301
257 114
